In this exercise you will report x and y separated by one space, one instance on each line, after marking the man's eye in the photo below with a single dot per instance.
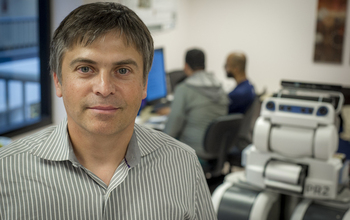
123 71
84 69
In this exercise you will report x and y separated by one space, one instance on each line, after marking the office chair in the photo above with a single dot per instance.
218 139
174 78
245 134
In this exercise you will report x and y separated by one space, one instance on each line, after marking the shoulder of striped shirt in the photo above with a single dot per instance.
163 139
26 144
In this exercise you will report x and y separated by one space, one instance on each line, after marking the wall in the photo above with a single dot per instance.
277 36
175 41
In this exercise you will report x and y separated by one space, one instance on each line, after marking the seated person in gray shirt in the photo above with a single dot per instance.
97 163
198 100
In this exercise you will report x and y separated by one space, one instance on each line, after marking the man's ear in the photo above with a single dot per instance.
187 69
58 85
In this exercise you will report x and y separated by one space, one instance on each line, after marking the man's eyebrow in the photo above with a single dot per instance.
126 62
118 63
81 60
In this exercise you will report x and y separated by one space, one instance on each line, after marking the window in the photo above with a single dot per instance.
25 88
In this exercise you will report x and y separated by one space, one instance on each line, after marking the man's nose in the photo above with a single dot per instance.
104 85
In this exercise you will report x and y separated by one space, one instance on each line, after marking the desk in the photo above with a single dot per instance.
151 120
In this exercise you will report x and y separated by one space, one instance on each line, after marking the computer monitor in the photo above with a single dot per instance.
157 85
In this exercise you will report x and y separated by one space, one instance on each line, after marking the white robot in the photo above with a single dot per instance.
292 159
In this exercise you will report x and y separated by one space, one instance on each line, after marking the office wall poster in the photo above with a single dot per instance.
330 31
158 15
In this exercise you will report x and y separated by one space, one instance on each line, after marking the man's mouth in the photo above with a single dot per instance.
104 109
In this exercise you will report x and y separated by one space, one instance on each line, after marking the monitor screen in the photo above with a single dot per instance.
157 88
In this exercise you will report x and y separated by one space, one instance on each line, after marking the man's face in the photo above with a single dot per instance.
102 86
229 70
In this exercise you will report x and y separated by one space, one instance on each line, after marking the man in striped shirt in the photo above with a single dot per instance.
97 163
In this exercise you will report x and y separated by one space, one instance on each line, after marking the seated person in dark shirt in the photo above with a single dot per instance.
243 95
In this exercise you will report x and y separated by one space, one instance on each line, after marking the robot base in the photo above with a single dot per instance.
239 200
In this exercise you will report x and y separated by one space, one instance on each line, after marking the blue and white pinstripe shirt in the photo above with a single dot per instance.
160 178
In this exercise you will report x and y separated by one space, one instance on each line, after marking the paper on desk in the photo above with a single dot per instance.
157 119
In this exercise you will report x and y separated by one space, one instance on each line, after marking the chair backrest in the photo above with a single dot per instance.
220 135
175 77
245 133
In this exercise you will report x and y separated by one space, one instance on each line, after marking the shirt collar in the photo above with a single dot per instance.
133 153
244 82
57 147
149 140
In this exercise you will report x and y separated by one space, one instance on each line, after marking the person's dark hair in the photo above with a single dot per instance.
88 22
195 59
